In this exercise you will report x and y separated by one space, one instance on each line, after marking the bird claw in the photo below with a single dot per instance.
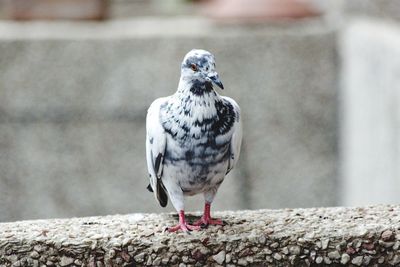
184 227
204 222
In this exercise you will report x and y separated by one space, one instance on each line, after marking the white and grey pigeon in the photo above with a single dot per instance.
193 139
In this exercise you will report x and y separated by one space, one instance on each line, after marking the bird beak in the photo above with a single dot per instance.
215 79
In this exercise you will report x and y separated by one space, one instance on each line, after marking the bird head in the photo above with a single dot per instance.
200 65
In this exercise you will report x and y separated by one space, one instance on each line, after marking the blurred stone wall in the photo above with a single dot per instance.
74 98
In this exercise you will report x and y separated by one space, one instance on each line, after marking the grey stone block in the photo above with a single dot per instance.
74 98
290 121
370 140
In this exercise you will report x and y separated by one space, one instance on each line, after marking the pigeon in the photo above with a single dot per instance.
193 139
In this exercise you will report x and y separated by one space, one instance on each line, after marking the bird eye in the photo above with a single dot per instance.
193 67
207 68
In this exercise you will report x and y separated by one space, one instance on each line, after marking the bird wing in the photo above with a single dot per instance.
236 139
155 150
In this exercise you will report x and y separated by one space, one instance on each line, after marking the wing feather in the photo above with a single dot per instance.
155 151
236 139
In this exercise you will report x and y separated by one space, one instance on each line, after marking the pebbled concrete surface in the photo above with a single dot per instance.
289 237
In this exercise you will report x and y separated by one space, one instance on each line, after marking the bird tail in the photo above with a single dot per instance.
149 188
160 193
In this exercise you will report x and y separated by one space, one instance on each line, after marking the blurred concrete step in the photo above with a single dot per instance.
79 168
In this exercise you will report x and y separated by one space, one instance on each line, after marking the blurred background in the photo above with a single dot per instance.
318 83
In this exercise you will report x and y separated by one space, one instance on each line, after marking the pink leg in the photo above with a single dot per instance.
183 225
206 218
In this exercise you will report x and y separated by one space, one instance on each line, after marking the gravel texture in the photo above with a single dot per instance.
289 237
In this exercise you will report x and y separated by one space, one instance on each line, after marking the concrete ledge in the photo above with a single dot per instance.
297 237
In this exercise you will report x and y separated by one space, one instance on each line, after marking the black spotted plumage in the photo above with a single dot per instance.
200 88
217 125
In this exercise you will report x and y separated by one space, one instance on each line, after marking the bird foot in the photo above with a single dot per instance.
205 221
185 227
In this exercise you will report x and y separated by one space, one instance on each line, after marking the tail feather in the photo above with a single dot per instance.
162 196
150 188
